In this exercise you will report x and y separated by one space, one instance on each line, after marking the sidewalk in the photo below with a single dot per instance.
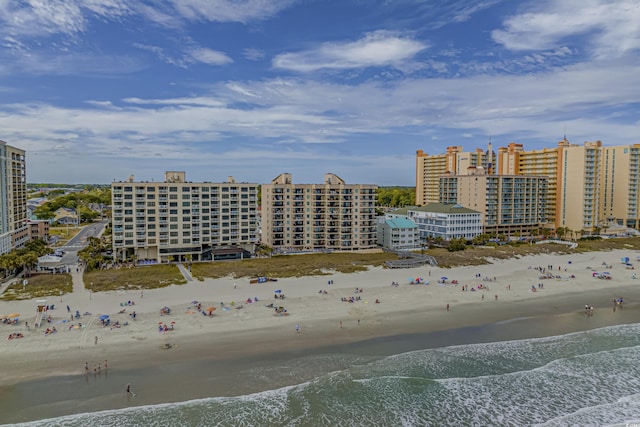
186 273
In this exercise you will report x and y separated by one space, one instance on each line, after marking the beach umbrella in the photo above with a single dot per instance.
173 323
12 315
444 278
277 291
104 317
211 309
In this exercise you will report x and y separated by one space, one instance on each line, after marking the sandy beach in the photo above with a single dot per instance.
318 314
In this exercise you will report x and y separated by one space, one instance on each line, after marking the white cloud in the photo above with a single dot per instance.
305 112
229 10
208 56
46 17
253 54
192 101
611 26
380 48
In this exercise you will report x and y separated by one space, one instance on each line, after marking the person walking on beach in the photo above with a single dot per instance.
129 391
95 340
447 307
341 324
86 367
297 328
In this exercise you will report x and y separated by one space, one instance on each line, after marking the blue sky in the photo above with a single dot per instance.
97 90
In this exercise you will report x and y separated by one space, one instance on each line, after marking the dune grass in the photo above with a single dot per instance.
39 286
140 277
484 255
292 265
158 276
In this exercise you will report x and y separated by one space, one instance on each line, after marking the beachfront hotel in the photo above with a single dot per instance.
510 204
445 221
580 191
329 216
14 232
178 220
429 168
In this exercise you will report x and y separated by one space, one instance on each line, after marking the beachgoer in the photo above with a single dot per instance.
86 367
105 364
95 340
447 307
297 327
496 296
341 324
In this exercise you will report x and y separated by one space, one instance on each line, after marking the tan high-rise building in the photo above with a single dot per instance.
455 161
14 232
178 220
589 186
328 216
578 192
619 186
513 160
510 204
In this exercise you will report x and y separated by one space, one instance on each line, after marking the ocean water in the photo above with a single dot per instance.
589 378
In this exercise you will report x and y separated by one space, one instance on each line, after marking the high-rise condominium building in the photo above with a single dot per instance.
588 186
328 216
176 219
513 160
454 161
510 204
620 186
14 232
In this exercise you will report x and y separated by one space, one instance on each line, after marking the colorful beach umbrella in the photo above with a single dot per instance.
277 291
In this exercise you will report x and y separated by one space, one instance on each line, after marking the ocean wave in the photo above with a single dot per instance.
582 378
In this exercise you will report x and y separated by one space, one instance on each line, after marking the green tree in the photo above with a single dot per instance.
480 239
561 231
458 244
396 197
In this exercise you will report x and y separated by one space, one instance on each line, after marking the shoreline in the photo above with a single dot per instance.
210 354
196 378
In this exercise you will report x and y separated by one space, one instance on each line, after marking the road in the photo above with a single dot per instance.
79 241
